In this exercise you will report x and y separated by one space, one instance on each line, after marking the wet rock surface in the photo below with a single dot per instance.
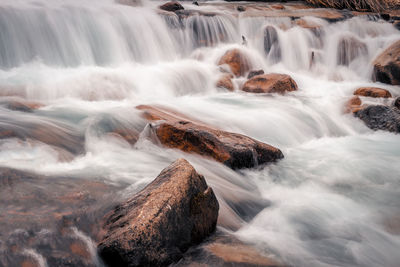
387 65
41 215
171 6
157 225
270 83
234 150
379 117
237 61
373 92
226 82
225 250
271 43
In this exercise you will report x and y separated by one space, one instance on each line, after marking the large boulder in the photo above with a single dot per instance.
234 150
373 92
349 48
270 83
157 225
238 62
387 65
380 117
171 6
176 130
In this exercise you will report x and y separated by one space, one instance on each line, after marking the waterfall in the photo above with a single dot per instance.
90 63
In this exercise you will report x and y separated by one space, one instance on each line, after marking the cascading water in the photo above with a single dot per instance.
330 202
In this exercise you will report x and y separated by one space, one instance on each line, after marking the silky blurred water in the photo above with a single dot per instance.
329 199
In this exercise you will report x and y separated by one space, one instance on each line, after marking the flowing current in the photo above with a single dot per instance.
334 200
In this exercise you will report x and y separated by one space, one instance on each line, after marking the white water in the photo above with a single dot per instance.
332 195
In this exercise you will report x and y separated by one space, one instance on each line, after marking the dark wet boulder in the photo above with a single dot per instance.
157 225
396 103
171 6
387 65
349 48
254 73
270 83
271 43
373 92
380 117
238 62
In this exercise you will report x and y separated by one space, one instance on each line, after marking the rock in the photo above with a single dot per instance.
308 24
353 105
254 73
372 92
133 3
349 48
396 103
171 6
157 225
189 135
271 43
279 7
237 61
241 8
24 106
224 250
270 83
380 117
387 65
234 150
226 82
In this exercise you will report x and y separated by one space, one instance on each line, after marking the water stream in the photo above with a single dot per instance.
330 201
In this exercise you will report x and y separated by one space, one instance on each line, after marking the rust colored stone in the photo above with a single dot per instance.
237 61
387 65
373 92
270 83
225 82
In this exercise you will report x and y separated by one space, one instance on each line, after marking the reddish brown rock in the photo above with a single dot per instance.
225 82
349 48
307 24
270 83
157 225
234 150
353 105
387 65
171 6
237 61
373 92
279 7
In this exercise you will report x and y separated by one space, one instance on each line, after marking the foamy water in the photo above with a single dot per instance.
329 200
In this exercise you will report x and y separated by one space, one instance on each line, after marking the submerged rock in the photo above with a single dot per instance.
373 92
223 250
157 225
270 83
171 6
396 103
387 65
380 117
238 62
225 82
349 48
